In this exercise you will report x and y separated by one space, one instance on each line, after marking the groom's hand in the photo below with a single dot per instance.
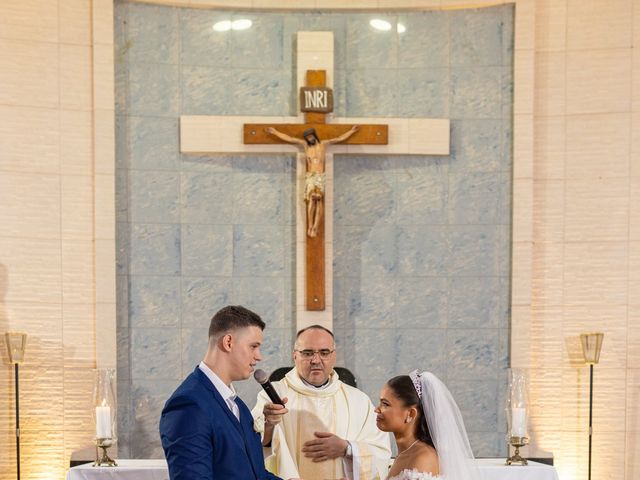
326 446
273 412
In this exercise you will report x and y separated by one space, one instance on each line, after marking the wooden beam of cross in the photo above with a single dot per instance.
317 107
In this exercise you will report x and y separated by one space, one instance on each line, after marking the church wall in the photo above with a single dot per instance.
421 249
585 233
57 275
36 124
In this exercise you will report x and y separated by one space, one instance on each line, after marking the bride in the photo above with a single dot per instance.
432 441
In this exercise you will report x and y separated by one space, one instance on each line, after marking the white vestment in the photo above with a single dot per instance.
338 408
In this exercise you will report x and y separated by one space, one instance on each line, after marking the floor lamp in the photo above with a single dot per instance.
591 346
16 344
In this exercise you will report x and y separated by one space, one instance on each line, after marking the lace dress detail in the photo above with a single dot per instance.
414 474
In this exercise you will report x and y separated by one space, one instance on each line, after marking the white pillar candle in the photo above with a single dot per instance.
518 422
103 422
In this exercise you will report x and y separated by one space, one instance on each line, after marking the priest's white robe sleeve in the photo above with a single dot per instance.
371 447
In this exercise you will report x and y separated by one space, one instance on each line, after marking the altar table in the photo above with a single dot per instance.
490 469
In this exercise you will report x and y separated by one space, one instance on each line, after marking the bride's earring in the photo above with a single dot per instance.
408 420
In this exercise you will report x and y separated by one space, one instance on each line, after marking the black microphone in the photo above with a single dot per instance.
263 379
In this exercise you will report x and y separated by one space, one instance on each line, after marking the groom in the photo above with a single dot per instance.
206 430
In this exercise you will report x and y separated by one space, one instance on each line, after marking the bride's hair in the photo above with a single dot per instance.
403 388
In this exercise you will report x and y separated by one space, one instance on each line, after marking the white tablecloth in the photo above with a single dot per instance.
495 469
126 470
490 468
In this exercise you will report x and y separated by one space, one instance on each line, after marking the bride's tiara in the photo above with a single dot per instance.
417 383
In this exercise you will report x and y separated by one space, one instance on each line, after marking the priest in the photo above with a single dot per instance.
328 428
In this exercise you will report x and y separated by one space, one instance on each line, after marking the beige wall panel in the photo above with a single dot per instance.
521 343
635 72
545 399
29 140
30 20
634 281
548 210
33 270
42 415
102 30
36 215
104 142
105 215
76 144
103 75
550 84
598 146
609 400
75 77
105 326
551 25
523 81
599 24
525 25
548 347
521 273
523 135
598 81
632 445
75 22
548 274
77 207
105 288
635 142
633 341
597 210
602 280
78 335
30 73
79 429
77 271
634 208
549 147
522 221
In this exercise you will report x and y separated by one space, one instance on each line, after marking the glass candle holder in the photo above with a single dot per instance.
517 415
104 414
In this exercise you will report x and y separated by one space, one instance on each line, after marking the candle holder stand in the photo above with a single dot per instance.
516 459
104 460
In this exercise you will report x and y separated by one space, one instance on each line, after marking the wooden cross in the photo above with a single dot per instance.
206 134
256 133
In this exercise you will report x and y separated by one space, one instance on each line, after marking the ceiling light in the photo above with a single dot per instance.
222 26
241 24
380 24
401 28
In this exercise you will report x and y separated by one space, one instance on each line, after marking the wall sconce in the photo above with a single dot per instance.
591 346
16 345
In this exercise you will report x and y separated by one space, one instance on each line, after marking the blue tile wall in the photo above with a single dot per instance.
421 244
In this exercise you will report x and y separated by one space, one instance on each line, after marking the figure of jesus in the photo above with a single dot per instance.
315 151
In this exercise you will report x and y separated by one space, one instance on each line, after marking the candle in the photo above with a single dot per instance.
518 421
103 422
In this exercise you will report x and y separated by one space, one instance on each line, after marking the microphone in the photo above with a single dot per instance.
263 379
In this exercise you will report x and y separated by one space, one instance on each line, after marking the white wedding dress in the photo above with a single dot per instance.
414 474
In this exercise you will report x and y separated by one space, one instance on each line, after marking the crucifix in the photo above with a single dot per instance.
226 134
316 102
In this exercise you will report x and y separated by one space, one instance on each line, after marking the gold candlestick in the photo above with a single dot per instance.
105 460
516 459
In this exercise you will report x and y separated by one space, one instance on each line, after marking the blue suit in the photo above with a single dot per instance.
203 440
